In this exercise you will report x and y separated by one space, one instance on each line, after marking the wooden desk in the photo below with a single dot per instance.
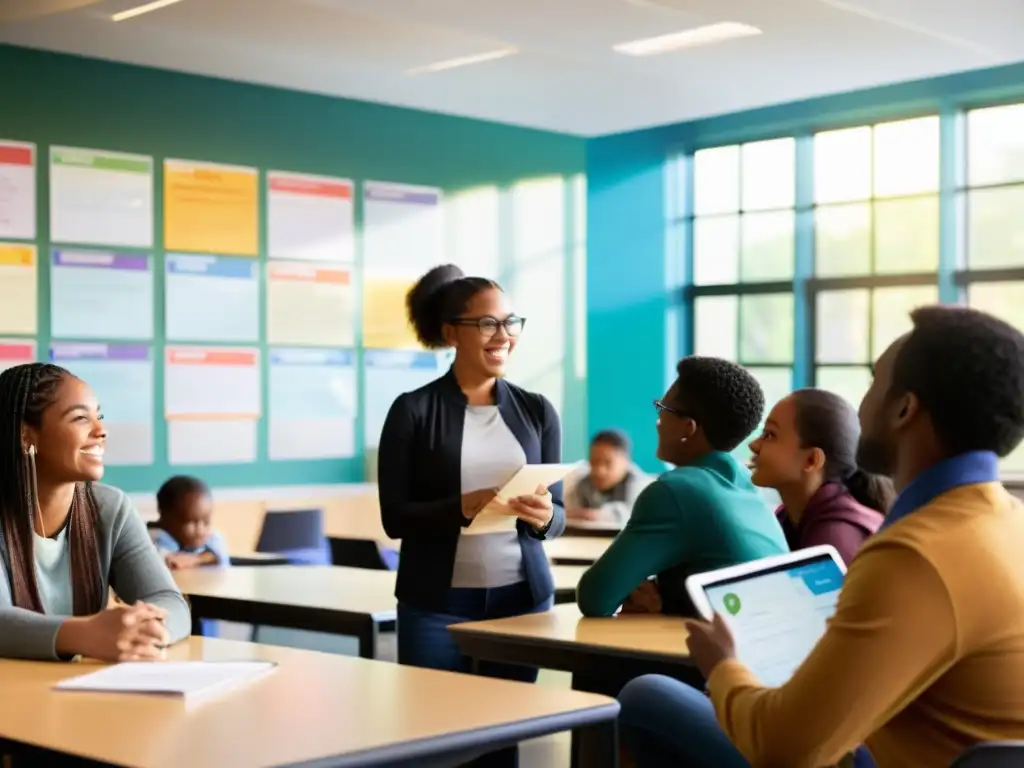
341 601
602 654
591 529
566 578
316 708
575 550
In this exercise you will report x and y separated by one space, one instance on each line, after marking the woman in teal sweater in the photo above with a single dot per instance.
705 514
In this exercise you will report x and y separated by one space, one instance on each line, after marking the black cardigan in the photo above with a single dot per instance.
419 476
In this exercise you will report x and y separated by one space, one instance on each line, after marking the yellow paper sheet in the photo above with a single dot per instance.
18 280
384 318
309 304
211 208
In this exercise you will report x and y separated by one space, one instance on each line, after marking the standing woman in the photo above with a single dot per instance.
65 539
808 453
444 450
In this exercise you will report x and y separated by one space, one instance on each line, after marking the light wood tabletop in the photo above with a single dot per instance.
344 601
575 550
333 709
635 635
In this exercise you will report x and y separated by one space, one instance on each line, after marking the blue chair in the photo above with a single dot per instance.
297 535
992 754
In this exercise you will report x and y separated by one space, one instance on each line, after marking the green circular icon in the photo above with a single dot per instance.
732 603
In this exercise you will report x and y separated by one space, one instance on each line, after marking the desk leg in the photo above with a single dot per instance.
596 746
368 641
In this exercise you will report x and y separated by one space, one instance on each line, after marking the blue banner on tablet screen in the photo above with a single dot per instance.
779 616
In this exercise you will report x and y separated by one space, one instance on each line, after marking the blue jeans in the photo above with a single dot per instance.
424 639
664 722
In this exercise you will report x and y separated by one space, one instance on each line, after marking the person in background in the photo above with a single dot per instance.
705 514
65 538
808 453
184 535
445 449
608 491
924 656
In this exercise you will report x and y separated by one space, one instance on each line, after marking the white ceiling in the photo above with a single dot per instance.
566 77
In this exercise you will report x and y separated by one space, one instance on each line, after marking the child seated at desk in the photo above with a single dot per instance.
183 534
608 491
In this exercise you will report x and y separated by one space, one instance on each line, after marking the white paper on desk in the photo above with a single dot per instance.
187 680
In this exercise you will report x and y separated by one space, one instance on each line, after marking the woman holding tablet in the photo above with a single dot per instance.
444 450
808 453
65 539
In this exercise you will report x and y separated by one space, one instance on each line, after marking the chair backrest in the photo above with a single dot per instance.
292 530
992 754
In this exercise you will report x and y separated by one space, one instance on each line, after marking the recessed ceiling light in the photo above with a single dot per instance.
131 13
688 38
462 61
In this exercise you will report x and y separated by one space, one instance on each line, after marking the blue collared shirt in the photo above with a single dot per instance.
963 469
215 543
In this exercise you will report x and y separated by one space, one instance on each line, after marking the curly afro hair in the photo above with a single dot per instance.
967 369
722 397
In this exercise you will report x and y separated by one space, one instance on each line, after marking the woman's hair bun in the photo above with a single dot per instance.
425 304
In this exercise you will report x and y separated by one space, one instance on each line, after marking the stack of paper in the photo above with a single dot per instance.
187 680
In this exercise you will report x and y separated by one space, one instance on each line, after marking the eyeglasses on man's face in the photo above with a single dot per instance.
661 407
488 326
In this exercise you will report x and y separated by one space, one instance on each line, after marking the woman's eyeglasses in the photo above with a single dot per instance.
661 408
488 326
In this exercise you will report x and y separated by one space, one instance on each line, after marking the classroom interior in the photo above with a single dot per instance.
781 198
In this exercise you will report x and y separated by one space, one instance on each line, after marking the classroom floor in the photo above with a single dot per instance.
548 752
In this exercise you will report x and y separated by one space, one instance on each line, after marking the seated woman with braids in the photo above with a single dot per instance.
65 539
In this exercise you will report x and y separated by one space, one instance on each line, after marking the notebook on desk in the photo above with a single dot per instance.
186 680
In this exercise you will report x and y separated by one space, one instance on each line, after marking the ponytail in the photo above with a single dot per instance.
872 491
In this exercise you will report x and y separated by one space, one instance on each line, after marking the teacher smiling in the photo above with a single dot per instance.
444 450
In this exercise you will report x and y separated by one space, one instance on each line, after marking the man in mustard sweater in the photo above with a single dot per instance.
925 654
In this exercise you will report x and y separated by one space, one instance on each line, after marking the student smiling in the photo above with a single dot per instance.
65 538
808 453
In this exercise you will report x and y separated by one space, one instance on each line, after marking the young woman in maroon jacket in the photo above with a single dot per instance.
808 453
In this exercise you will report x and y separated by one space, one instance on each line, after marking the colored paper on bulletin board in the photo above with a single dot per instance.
15 352
18 281
211 298
211 208
212 404
101 295
312 403
385 323
310 304
121 375
403 228
387 374
101 198
17 190
310 217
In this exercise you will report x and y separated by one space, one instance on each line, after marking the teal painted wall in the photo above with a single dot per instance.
63 100
639 258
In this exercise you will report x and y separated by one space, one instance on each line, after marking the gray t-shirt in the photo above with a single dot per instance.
490 456
128 562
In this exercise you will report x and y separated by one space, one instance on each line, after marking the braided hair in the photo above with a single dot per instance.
26 391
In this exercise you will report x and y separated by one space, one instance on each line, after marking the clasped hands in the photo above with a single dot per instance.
535 509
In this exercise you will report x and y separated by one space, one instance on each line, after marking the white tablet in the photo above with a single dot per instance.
776 607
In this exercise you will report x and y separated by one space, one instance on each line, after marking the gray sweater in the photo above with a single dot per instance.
128 562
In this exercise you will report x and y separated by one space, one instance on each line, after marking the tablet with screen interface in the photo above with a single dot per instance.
776 607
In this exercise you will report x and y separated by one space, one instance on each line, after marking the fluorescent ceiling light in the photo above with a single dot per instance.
689 38
462 61
131 13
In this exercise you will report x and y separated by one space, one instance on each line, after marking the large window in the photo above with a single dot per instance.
744 225
991 202
876 243
851 229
